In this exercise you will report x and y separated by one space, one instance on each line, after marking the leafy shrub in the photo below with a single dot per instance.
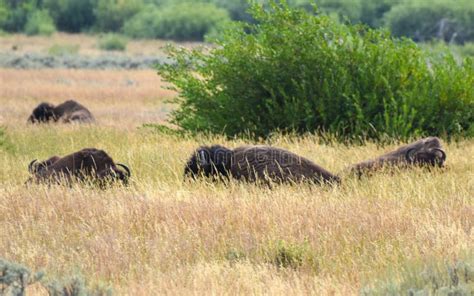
71 15
289 254
181 21
426 20
144 24
112 42
111 14
63 49
298 72
14 14
434 279
39 23
237 9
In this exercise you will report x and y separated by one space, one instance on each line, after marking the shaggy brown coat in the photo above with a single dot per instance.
86 164
424 152
270 164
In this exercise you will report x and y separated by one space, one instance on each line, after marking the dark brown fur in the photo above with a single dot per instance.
270 164
67 112
424 152
86 164
35 167
209 161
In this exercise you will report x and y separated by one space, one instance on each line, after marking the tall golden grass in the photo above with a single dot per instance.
161 235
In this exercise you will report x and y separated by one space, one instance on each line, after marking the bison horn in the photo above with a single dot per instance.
410 155
127 170
443 154
30 166
202 158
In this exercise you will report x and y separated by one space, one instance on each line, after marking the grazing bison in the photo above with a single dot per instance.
255 164
424 152
36 167
265 163
86 164
67 112
209 161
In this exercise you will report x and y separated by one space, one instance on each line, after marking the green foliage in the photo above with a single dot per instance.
63 49
298 72
427 20
183 21
39 23
112 42
5 143
237 9
144 24
434 279
289 255
14 14
112 14
71 15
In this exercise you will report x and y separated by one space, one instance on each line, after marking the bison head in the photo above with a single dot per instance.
44 112
432 157
211 161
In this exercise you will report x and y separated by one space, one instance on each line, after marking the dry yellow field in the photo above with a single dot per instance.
164 236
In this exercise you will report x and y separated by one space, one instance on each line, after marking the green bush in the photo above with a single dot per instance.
112 42
426 20
14 14
182 21
289 255
39 23
112 14
144 24
297 72
63 49
71 15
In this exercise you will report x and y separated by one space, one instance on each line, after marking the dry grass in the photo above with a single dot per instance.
161 235
116 98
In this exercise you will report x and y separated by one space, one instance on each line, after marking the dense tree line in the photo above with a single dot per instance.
191 20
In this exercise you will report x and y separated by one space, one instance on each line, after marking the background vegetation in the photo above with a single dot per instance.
297 72
419 19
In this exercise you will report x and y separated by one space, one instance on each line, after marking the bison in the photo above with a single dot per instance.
424 152
255 164
87 164
67 112
209 161
265 163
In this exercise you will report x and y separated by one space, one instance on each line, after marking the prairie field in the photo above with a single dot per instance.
161 235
